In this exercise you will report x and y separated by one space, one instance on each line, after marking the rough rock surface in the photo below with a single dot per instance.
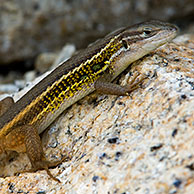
28 28
138 144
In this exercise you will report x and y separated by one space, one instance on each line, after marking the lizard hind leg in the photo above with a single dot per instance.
35 152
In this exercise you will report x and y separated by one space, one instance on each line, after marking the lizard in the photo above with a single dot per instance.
91 69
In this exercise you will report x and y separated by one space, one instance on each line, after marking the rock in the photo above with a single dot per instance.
44 61
30 76
29 28
8 88
137 144
47 61
66 52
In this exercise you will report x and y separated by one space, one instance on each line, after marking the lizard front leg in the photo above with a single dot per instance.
115 89
5 104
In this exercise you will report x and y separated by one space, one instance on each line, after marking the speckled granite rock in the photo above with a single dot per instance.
28 28
138 144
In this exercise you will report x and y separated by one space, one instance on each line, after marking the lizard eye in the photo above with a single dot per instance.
147 31
124 43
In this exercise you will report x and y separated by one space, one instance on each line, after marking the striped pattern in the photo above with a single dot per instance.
84 75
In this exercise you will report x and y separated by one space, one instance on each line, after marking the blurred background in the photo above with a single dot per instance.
33 31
